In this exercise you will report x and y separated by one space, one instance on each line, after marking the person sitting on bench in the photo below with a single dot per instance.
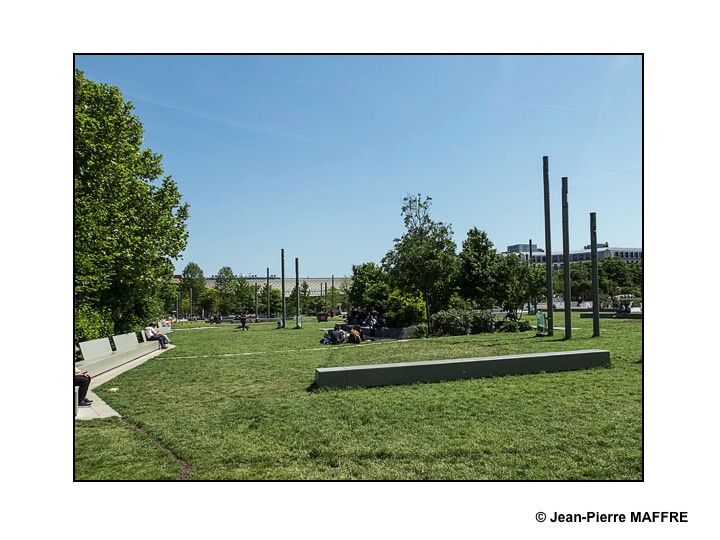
152 335
82 379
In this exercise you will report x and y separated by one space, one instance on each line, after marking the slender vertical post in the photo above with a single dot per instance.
267 292
325 297
191 302
282 286
332 293
297 292
548 247
177 307
530 268
256 298
566 259
594 270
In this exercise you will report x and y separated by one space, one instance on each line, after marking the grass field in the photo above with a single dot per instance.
226 404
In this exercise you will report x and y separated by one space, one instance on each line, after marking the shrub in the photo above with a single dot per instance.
421 330
452 322
92 324
459 322
482 322
458 302
509 325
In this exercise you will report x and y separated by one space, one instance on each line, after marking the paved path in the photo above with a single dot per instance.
100 409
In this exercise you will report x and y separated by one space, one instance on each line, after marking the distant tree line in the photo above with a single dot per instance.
233 294
424 274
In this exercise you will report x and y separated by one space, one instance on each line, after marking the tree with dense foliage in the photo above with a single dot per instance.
513 280
369 287
193 284
423 259
478 269
275 300
129 219
226 285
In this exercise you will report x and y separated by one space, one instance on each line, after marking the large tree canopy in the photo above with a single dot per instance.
129 219
423 259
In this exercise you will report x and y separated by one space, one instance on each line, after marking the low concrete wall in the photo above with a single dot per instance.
462 368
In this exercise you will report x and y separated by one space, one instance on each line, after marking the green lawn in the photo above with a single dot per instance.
236 405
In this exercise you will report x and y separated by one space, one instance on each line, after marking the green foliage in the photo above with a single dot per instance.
193 285
509 325
483 321
226 286
127 226
460 322
458 302
513 284
452 322
403 309
275 301
478 269
421 330
423 259
369 287
209 302
92 324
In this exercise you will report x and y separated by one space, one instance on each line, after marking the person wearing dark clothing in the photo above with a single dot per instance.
337 337
82 379
243 322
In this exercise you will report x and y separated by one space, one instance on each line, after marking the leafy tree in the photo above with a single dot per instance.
275 300
209 302
369 286
193 280
478 269
129 219
512 284
226 285
423 259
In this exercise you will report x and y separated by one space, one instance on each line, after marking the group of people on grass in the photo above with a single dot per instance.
337 336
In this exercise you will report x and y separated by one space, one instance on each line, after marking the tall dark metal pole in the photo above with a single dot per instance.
297 292
332 293
594 270
566 259
282 286
267 292
256 299
548 247
325 297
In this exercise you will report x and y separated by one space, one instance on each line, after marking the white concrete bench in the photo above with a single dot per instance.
99 357
461 368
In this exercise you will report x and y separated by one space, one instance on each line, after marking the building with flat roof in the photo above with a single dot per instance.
629 255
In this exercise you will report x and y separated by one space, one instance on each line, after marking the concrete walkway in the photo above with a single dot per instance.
100 409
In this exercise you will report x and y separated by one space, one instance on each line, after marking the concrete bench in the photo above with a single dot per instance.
99 357
461 368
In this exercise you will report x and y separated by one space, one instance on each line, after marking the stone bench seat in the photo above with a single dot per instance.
461 368
99 357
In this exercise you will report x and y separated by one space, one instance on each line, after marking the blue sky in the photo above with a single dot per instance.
315 153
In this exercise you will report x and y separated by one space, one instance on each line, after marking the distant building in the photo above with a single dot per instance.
523 248
629 255
317 284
